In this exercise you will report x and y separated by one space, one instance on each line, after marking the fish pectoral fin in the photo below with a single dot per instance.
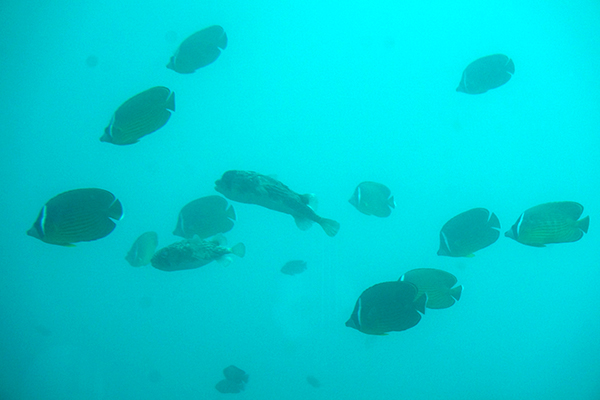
303 223
224 260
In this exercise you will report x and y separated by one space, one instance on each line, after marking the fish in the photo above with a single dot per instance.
199 50
312 381
486 73
253 188
386 307
144 113
142 250
205 217
79 215
294 267
372 198
235 374
195 253
468 232
436 284
227 386
555 222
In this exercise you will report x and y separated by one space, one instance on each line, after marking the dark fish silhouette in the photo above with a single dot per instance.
294 267
436 284
312 381
195 253
79 215
372 198
468 232
253 188
139 116
556 222
235 374
486 73
199 50
234 382
142 249
205 217
387 306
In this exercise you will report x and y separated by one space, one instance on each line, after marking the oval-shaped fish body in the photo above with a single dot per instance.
235 374
486 73
386 307
312 381
205 217
555 222
468 232
139 116
227 386
294 267
254 188
193 253
372 198
143 249
436 284
79 215
199 50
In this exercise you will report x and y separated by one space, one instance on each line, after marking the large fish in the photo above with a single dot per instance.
438 285
556 222
139 116
79 215
386 307
142 250
253 188
486 73
372 198
198 50
205 217
195 253
468 232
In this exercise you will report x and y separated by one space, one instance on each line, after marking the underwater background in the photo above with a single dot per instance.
324 95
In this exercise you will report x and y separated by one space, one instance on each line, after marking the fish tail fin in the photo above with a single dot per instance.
584 224
239 250
456 292
115 211
391 202
421 302
330 226
230 213
170 104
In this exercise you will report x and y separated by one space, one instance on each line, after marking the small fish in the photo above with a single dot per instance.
436 284
468 232
142 249
139 116
199 50
486 73
253 188
205 217
372 198
387 306
235 374
195 253
294 267
556 222
79 215
312 381
227 386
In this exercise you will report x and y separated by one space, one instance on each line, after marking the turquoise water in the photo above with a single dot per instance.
324 95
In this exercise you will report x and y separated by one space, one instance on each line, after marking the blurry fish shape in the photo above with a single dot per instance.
468 232
195 253
387 306
372 198
486 73
235 374
199 50
142 249
436 284
294 267
253 188
556 222
205 217
227 386
312 381
139 116
79 215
